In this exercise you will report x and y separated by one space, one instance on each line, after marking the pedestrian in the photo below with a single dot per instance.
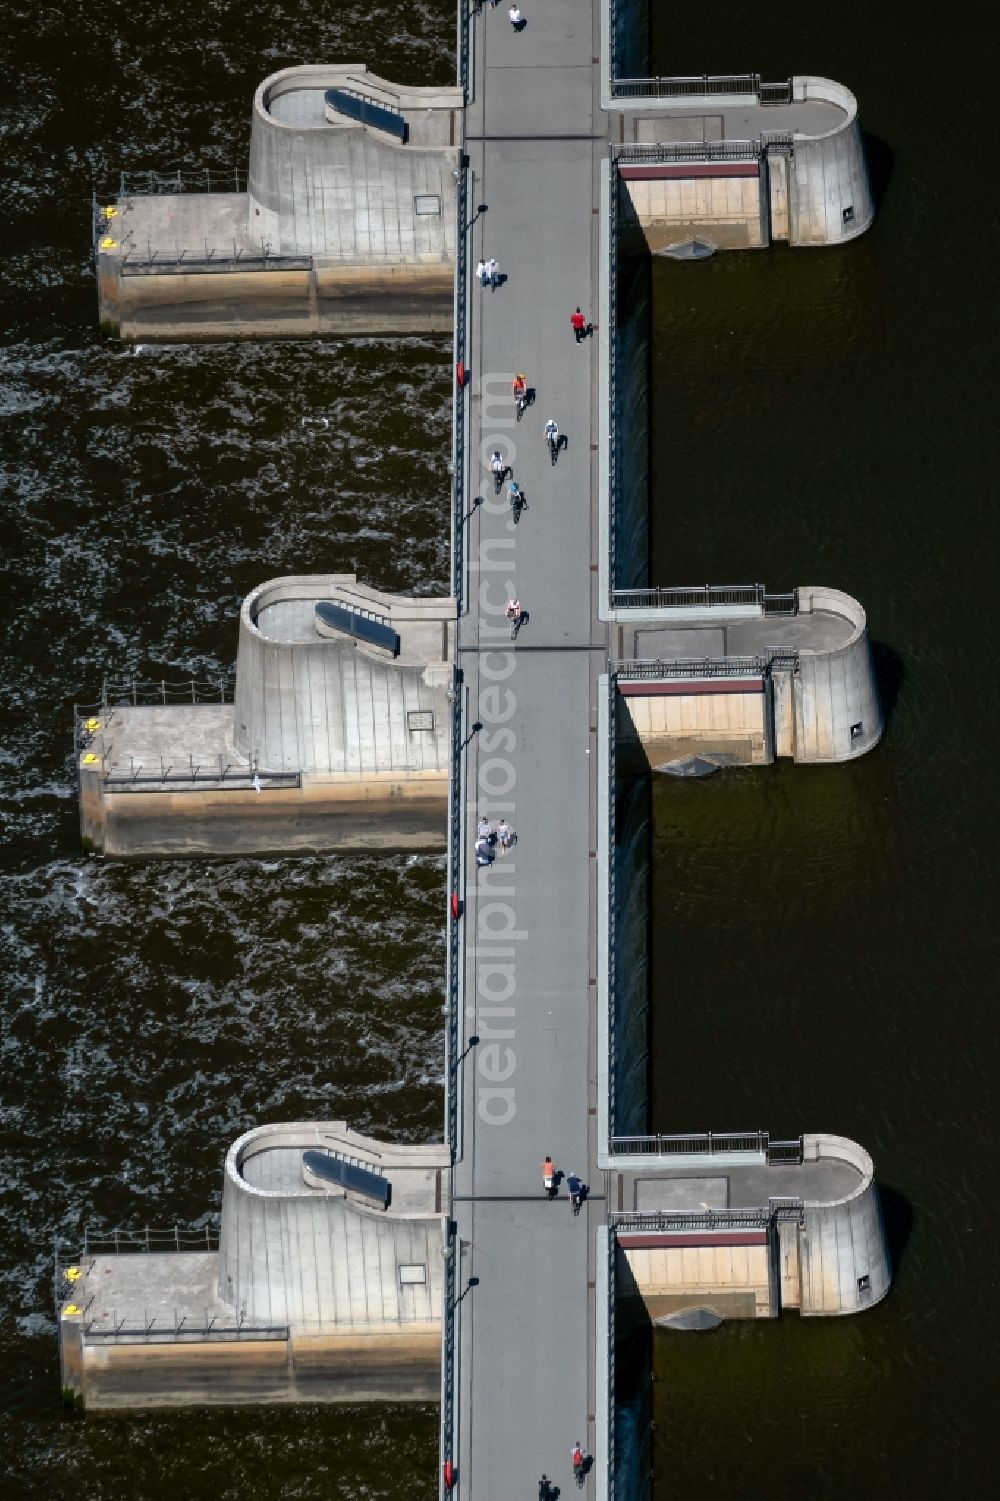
579 1457
549 1178
515 18
485 830
545 1489
504 835
492 273
483 274
579 325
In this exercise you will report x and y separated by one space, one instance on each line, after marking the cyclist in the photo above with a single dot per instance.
515 615
575 1186
551 431
515 497
519 384
499 468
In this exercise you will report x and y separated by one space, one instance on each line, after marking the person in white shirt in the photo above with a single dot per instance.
515 17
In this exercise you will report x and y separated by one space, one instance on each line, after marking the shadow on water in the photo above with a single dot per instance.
881 159
889 674
897 1217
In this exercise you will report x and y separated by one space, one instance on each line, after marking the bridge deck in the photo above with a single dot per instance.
535 140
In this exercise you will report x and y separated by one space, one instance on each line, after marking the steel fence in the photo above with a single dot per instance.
184 1332
728 85
654 670
612 317
228 777
453 1008
209 180
458 455
689 597
710 1143
120 692
684 151
692 1143
212 263
662 1221
612 899
611 1437
102 1242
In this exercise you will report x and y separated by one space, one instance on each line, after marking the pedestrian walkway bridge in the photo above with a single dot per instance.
569 167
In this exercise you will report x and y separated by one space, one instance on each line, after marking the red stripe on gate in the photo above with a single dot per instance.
662 173
679 686
666 1240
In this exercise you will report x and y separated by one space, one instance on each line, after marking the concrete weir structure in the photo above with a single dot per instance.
546 1002
325 1284
347 224
339 736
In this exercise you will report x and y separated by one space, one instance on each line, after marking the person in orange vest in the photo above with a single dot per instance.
579 1463
549 1178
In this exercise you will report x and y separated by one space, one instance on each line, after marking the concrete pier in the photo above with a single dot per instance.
347 224
339 736
314 1292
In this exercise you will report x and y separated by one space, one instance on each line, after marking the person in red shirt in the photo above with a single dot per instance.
579 325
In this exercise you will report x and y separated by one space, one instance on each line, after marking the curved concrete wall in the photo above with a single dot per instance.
843 1257
311 1258
344 192
829 176
306 703
837 711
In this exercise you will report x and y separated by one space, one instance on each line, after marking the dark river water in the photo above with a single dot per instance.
824 937
151 1013
825 951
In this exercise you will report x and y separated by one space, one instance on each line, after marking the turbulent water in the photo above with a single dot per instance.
825 954
151 1013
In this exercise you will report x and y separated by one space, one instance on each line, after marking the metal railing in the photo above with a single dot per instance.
465 14
155 184
184 1332
732 85
692 1143
227 777
689 597
612 899
119 692
458 460
685 151
116 1242
780 1152
213 262
452 1255
611 1438
454 959
685 87
453 1010
708 1144
663 1221
612 317
654 670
